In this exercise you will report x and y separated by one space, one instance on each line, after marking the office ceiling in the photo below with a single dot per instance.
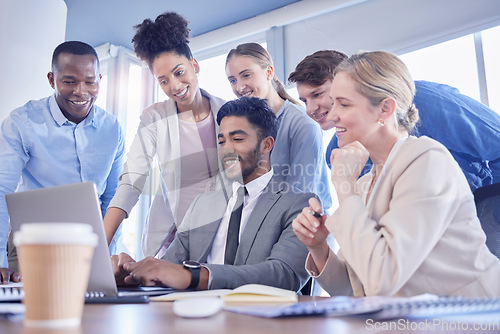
100 21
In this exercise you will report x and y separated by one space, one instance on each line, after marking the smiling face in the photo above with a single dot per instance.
240 151
76 83
177 77
248 78
318 102
352 114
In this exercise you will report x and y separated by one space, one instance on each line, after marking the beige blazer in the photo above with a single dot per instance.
418 234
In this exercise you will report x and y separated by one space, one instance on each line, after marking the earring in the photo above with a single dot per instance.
381 122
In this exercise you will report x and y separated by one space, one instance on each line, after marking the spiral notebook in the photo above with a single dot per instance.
77 203
430 306
378 308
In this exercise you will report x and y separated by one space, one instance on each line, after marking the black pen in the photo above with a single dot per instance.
315 214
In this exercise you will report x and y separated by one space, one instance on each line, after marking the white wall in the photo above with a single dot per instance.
29 32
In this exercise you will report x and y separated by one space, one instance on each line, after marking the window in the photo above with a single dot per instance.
452 63
124 93
212 77
491 48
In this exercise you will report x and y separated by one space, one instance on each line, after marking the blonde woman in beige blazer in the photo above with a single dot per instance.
408 227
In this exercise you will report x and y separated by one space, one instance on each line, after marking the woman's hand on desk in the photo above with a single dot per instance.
312 232
8 275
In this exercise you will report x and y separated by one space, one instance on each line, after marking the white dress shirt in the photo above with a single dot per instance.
254 190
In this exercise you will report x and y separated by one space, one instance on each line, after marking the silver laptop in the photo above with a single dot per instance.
74 203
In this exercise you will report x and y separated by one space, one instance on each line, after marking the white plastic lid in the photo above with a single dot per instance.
55 233
55 323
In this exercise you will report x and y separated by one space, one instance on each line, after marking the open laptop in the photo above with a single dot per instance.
75 203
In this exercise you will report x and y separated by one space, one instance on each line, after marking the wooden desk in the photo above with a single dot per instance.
158 317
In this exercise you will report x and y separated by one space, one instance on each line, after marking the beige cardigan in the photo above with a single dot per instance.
418 234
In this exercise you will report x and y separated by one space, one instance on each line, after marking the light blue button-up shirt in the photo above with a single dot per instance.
40 148
298 156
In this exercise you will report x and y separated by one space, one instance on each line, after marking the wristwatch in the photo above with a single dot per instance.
194 267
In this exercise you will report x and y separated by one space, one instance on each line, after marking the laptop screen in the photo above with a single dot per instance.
73 203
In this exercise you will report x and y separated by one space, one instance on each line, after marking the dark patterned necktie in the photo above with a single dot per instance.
233 231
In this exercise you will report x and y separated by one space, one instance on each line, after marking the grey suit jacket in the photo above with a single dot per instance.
269 253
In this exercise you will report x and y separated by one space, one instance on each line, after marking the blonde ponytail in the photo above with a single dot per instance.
280 89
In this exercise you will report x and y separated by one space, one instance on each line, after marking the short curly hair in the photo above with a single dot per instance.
256 111
317 68
168 33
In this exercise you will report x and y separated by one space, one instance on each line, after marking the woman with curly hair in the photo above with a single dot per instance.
297 157
180 133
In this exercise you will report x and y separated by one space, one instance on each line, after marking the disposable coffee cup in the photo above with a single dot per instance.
55 261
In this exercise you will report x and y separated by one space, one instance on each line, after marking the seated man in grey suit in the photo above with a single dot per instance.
236 243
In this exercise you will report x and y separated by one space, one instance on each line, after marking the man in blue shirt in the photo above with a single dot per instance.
60 139
469 129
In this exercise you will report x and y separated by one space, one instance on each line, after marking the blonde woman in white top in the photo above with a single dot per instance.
298 156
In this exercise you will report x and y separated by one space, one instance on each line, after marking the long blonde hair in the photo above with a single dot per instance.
263 58
379 75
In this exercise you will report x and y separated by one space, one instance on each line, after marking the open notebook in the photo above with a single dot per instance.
77 203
